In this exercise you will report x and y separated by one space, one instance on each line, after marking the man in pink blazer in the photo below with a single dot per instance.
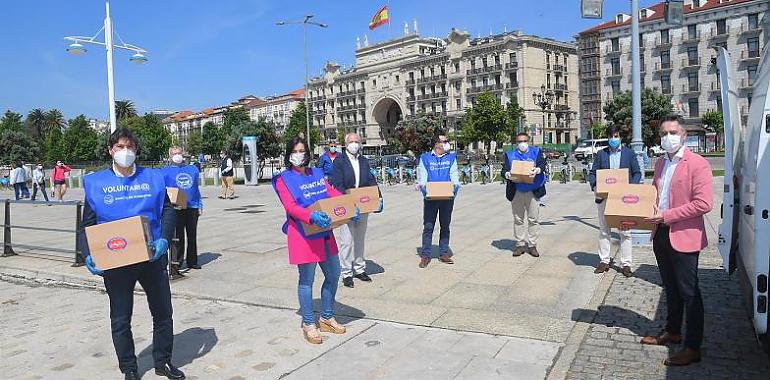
684 184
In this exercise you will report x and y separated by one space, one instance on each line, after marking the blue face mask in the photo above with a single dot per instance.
614 143
333 149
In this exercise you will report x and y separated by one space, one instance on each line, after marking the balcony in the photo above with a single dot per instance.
614 72
720 34
662 66
512 65
432 96
746 83
746 28
488 87
561 87
474 71
609 50
497 67
512 85
410 82
749 55
691 89
691 63
716 87
434 78
688 39
666 90
559 68
662 43
561 107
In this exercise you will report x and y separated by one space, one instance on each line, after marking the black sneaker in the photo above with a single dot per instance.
363 277
348 281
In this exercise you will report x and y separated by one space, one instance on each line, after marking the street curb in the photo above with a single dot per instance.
568 351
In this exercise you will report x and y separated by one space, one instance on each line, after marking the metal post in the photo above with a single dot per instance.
78 221
638 237
110 80
7 248
307 105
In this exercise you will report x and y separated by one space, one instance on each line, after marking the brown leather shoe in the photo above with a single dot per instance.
446 259
662 339
331 326
424 262
519 251
533 252
311 333
685 357
626 270
601 268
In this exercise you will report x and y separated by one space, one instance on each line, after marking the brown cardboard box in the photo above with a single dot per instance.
340 209
120 243
608 179
367 198
628 205
177 197
439 190
521 170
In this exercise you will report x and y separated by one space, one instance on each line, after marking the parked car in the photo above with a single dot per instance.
587 148
552 154
655 151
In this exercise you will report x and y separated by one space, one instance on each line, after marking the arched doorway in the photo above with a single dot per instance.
387 114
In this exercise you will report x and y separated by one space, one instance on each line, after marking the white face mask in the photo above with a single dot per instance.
177 159
124 158
297 159
523 146
671 143
447 146
353 148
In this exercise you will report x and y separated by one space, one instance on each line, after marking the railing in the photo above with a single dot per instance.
8 245
512 65
560 87
687 38
747 82
747 28
659 66
716 86
690 88
612 50
662 41
559 68
749 54
512 85
614 72
716 33
690 62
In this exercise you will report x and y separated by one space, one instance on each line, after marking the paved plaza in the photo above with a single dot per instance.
489 315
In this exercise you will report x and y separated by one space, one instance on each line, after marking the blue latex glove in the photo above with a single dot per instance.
356 217
424 191
456 189
320 219
382 206
161 247
92 267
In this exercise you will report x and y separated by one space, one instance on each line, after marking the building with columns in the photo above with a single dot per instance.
397 78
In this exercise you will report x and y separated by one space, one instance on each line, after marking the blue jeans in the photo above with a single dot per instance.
41 186
331 270
20 190
431 209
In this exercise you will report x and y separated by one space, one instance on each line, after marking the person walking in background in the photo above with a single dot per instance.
298 187
186 178
59 179
226 172
685 195
615 156
18 179
525 197
351 170
326 161
438 165
38 181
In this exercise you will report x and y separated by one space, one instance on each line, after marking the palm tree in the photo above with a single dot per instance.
54 120
36 119
124 109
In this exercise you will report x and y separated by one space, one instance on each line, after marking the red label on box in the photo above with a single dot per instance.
117 244
340 211
610 180
629 223
364 199
630 199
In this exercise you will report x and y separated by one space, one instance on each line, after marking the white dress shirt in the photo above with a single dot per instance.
665 178
356 166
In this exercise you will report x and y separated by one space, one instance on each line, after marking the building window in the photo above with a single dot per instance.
512 57
615 87
692 104
752 44
751 70
721 27
692 55
458 103
484 62
665 83
692 31
615 64
443 70
754 21
398 78
374 83
665 59
457 67
497 60
512 78
722 44
692 81
411 76
457 86
664 36
443 88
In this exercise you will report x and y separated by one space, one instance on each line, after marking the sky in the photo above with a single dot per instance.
205 53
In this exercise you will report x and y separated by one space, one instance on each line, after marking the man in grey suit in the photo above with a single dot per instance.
615 156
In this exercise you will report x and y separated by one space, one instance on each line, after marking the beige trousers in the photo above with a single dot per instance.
228 188
526 218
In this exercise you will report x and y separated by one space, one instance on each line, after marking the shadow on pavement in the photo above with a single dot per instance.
207 257
504 244
189 345
343 313
584 259
434 252
374 268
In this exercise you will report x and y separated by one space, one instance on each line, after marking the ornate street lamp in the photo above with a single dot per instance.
544 100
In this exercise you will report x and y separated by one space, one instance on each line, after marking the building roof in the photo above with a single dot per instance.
181 115
659 13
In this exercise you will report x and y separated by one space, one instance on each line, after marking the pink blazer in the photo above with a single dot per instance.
690 196
301 250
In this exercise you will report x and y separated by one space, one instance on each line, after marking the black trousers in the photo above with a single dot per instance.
120 283
187 221
679 271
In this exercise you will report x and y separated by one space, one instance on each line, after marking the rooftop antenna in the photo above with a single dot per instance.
406 28
358 43
416 31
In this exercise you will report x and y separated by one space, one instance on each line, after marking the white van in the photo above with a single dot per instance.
744 238
587 148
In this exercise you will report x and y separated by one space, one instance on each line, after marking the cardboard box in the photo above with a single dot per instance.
367 198
521 170
440 190
340 209
120 243
608 179
178 197
628 205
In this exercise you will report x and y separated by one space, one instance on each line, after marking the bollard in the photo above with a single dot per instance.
7 248
473 173
78 221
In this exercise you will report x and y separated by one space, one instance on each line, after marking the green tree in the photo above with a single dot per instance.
11 121
54 120
37 122
17 147
79 141
52 146
713 120
268 143
418 134
514 116
154 140
124 109
598 131
213 140
655 105
297 126
101 153
194 142
486 121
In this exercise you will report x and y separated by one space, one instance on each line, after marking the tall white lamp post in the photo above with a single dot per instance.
77 48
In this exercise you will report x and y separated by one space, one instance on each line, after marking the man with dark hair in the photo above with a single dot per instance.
525 197
226 172
126 190
326 161
615 156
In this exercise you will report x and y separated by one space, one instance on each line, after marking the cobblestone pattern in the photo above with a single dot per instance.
635 307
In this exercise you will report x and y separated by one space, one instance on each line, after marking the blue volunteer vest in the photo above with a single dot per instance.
306 190
532 154
185 178
114 198
438 168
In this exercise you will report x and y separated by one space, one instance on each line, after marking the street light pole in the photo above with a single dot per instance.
636 95
544 100
110 75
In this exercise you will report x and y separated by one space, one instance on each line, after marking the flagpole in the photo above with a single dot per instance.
390 34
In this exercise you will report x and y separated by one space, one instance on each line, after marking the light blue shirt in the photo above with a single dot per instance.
665 179
614 159
422 173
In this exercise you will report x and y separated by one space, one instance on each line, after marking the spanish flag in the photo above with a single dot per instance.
380 18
